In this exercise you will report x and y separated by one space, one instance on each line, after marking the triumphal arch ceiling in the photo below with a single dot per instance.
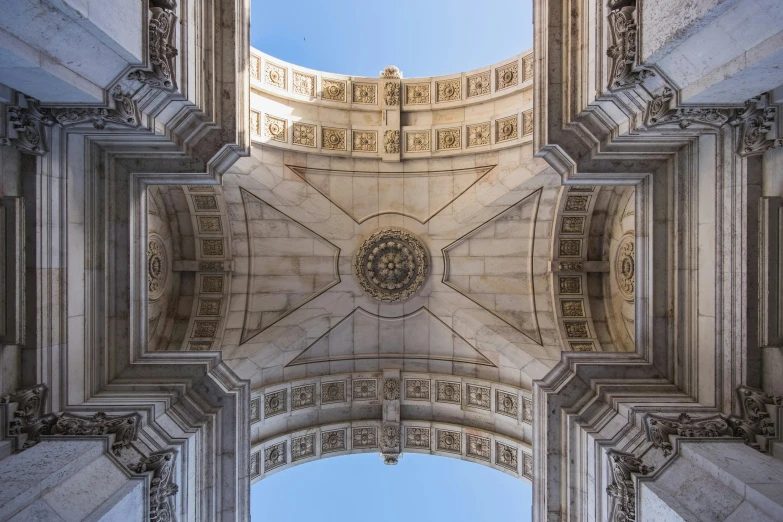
553 265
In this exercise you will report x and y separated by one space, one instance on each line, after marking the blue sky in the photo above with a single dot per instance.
360 488
421 37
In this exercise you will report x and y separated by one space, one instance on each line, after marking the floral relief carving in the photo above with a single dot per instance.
661 112
450 441
506 403
333 139
507 129
162 487
527 465
417 141
255 123
212 247
754 425
366 93
527 122
390 436
448 90
274 403
304 134
527 66
304 84
302 396
205 203
391 141
507 76
210 224
570 266
570 247
157 267
622 49
333 391
365 389
275 456
205 329
212 284
449 139
449 392
333 90
624 267
572 225
255 67
302 447
211 266
622 492
391 389
365 437
391 265
255 410
333 440
417 93
365 141
275 128
527 409
478 84
479 447
417 437
478 135
757 127
506 456
478 396
572 308
659 427
577 203
582 347
162 30
391 92
275 75
208 307
391 72
576 329
570 285
417 389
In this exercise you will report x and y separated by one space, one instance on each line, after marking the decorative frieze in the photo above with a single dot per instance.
212 284
209 225
304 134
478 135
661 111
622 492
570 247
582 346
573 225
205 203
572 308
417 437
449 392
391 389
570 266
478 84
659 427
448 90
449 441
570 284
576 329
577 203
212 247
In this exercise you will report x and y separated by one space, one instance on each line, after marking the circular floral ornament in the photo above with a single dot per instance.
391 389
625 267
157 267
391 265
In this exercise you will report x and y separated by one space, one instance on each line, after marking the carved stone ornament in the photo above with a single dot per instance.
391 265
157 267
390 444
624 267
391 142
391 92
661 112
757 127
754 425
125 427
622 49
391 389
659 427
28 417
162 488
162 51
391 72
622 493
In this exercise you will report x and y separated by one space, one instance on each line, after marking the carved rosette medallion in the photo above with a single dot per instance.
391 389
157 267
391 265
391 141
624 270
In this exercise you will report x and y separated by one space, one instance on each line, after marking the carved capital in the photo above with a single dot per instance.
26 123
757 132
125 427
162 488
162 48
625 70
755 425
622 492
663 112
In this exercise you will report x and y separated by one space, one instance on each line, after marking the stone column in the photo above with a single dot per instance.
70 478
718 479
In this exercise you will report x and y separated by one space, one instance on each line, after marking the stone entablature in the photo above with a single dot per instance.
302 109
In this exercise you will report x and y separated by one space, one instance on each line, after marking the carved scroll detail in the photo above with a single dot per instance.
622 492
